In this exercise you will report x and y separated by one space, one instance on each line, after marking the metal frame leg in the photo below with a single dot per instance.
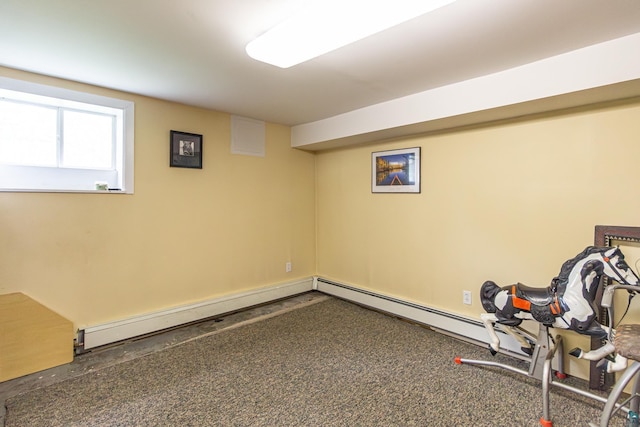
617 390
635 396
540 366
545 420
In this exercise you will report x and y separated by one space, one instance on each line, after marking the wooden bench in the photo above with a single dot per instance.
32 337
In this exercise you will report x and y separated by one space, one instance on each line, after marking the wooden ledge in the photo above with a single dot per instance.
32 337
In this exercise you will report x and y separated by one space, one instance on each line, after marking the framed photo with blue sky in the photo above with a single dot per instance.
396 171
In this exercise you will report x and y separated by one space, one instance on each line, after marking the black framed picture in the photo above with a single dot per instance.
185 150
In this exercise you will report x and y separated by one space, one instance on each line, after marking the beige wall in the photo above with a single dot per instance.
508 202
185 235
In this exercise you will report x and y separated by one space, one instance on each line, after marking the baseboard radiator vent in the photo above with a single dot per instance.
112 332
465 328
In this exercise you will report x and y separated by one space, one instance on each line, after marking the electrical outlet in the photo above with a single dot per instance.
466 297
287 267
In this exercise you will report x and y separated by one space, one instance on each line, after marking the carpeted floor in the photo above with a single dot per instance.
331 363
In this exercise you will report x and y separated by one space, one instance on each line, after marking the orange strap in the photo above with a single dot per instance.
520 303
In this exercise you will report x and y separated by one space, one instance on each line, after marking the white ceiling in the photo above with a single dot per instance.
192 51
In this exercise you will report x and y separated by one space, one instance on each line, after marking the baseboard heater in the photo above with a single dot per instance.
461 327
112 332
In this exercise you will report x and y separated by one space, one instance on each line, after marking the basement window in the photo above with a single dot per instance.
54 139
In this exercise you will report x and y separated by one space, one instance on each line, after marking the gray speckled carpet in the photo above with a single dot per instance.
327 364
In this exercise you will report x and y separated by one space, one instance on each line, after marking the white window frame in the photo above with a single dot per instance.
58 179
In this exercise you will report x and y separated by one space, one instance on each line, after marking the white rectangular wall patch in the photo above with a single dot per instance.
247 136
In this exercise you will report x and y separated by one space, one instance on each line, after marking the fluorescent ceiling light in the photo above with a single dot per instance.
329 25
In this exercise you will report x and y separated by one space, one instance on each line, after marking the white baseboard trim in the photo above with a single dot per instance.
112 332
465 328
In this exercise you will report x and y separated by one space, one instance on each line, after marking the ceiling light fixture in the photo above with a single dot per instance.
329 25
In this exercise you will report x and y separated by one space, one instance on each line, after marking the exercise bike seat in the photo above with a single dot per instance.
627 341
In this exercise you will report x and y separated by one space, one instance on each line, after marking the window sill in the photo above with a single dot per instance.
13 190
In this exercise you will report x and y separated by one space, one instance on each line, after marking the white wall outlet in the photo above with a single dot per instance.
466 297
287 267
